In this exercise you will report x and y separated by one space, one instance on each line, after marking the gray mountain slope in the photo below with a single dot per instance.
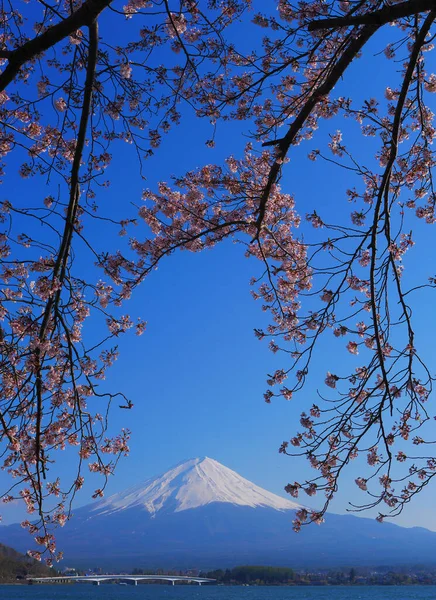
197 520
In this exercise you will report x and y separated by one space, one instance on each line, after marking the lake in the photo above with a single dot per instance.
159 592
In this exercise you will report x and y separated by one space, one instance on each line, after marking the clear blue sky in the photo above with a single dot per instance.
196 377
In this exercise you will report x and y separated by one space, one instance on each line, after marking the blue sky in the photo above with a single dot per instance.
196 377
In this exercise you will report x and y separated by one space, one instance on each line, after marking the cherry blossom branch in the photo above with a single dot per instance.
384 190
60 265
330 80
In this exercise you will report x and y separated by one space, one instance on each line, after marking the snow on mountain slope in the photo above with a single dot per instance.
193 483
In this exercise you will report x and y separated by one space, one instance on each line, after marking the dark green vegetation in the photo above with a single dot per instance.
15 567
253 574
261 575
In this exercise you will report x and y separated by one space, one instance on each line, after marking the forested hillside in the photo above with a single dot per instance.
15 566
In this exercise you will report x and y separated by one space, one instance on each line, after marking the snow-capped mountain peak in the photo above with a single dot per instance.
191 484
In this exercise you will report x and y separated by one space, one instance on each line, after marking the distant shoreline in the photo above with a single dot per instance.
291 585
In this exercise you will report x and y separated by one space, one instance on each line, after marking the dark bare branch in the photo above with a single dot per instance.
85 15
380 17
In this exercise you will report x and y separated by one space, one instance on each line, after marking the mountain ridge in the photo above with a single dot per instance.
223 520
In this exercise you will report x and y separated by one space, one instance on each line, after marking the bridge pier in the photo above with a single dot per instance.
95 583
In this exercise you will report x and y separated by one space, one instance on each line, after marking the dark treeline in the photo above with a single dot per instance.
253 574
16 567
263 575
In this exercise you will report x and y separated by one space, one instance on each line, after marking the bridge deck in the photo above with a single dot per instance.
97 579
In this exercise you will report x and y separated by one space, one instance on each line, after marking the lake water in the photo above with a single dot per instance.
159 592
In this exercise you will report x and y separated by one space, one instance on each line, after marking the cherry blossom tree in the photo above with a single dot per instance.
79 77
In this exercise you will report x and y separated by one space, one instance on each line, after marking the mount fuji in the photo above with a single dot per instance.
192 484
202 514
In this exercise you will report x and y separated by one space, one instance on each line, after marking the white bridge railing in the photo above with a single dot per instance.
133 579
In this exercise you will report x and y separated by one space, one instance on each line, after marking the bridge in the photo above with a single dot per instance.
132 579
